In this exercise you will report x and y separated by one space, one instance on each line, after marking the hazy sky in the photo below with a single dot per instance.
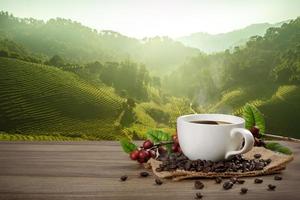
141 18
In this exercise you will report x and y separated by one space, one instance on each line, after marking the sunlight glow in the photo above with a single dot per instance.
141 18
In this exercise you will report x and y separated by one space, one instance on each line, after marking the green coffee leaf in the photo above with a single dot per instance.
274 146
158 136
254 117
127 145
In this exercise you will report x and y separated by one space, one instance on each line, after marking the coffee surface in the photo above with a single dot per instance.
209 122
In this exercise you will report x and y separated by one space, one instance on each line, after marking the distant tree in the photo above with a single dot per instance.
109 73
288 71
131 103
128 78
92 71
56 60
94 67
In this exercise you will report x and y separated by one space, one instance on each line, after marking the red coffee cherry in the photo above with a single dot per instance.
134 155
147 144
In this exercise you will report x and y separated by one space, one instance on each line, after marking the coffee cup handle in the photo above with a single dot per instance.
249 141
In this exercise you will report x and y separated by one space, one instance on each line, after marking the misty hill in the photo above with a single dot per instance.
78 43
219 42
265 70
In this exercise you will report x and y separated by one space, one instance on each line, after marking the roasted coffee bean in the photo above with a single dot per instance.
218 180
269 160
199 168
233 180
271 187
277 178
199 185
158 181
257 155
244 190
193 169
227 185
240 181
173 166
258 180
198 195
144 174
123 178
187 165
207 169
259 166
219 164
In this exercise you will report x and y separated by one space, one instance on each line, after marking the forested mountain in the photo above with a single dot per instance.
219 42
78 43
224 82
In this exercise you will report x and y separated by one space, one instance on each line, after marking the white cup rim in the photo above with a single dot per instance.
232 119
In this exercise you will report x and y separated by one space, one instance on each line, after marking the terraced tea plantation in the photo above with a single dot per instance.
43 99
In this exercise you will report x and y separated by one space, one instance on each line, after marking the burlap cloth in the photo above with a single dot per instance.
279 162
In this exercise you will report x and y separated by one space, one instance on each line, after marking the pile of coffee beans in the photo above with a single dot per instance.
237 163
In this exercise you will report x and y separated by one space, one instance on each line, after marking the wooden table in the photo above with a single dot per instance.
91 170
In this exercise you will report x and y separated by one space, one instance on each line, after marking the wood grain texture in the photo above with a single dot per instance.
91 170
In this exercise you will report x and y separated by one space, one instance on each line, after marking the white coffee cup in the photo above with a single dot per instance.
213 142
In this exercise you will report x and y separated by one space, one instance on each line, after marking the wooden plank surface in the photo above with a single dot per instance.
91 170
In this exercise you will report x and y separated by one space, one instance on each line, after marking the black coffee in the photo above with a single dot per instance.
209 122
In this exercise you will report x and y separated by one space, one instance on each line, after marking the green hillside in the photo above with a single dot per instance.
39 99
282 111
